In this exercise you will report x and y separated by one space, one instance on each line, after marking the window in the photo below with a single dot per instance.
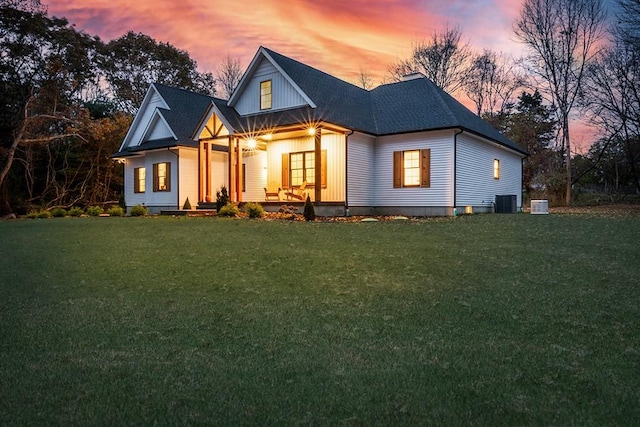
162 176
265 95
496 169
300 167
139 180
412 168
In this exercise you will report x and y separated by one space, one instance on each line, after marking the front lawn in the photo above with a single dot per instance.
485 319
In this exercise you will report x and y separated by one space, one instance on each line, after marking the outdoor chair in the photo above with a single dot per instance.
297 193
272 195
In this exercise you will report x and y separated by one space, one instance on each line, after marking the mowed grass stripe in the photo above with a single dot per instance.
487 319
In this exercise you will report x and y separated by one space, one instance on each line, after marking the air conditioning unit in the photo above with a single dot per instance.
539 207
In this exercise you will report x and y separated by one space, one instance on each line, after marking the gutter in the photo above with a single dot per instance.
455 163
346 172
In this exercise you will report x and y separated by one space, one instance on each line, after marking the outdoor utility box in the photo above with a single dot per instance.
540 207
507 203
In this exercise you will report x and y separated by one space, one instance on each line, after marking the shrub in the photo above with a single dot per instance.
138 210
44 214
75 211
229 210
94 210
33 214
187 205
309 212
222 198
59 213
254 210
116 211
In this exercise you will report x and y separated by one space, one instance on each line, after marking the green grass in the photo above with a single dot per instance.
480 320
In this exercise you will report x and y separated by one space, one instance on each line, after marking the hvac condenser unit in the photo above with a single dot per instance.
539 207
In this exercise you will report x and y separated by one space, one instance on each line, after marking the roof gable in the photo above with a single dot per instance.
157 128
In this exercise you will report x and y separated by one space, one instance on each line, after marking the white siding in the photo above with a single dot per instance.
188 172
439 193
283 94
256 175
143 118
130 197
162 198
219 171
334 145
361 152
475 183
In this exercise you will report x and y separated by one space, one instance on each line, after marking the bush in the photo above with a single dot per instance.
187 205
59 213
222 198
116 211
138 210
33 214
94 210
254 210
309 212
229 210
44 214
76 211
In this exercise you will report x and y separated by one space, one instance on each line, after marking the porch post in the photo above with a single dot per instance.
232 169
207 168
201 172
239 170
318 164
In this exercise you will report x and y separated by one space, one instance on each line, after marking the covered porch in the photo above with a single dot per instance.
273 165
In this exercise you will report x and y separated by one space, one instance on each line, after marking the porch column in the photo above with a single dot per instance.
239 170
201 172
318 164
207 174
232 169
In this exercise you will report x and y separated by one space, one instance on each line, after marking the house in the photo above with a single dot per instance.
288 129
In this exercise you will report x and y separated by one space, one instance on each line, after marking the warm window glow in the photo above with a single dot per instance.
302 168
496 169
140 178
162 176
265 95
412 168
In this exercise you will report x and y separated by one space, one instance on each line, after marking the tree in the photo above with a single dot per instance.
44 64
228 76
132 62
491 82
629 22
532 126
562 36
365 80
443 59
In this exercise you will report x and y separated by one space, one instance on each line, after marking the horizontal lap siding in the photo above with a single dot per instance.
360 170
130 197
283 94
332 143
256 175
439 193
188 176
475 183
162 198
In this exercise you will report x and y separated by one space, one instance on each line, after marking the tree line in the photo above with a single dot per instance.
69 97
581 60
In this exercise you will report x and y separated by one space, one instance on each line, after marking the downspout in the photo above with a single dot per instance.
455 163
346 172
177 176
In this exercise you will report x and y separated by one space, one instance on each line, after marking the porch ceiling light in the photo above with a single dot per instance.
311 130
252 144
268 137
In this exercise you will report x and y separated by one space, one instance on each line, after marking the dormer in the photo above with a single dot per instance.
266 87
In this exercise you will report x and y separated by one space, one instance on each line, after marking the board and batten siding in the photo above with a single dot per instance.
158 129
188 181
144 117
283 94
475 183
333 143
360 164
439 194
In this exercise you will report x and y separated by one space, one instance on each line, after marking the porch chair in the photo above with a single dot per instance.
297 193
271 195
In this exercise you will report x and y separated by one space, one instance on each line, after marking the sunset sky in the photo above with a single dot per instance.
341 37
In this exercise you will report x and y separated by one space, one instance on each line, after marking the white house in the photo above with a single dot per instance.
290 130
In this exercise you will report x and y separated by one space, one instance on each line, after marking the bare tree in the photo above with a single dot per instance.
365 80
491 82
629 21
228 76
562 37
443 58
